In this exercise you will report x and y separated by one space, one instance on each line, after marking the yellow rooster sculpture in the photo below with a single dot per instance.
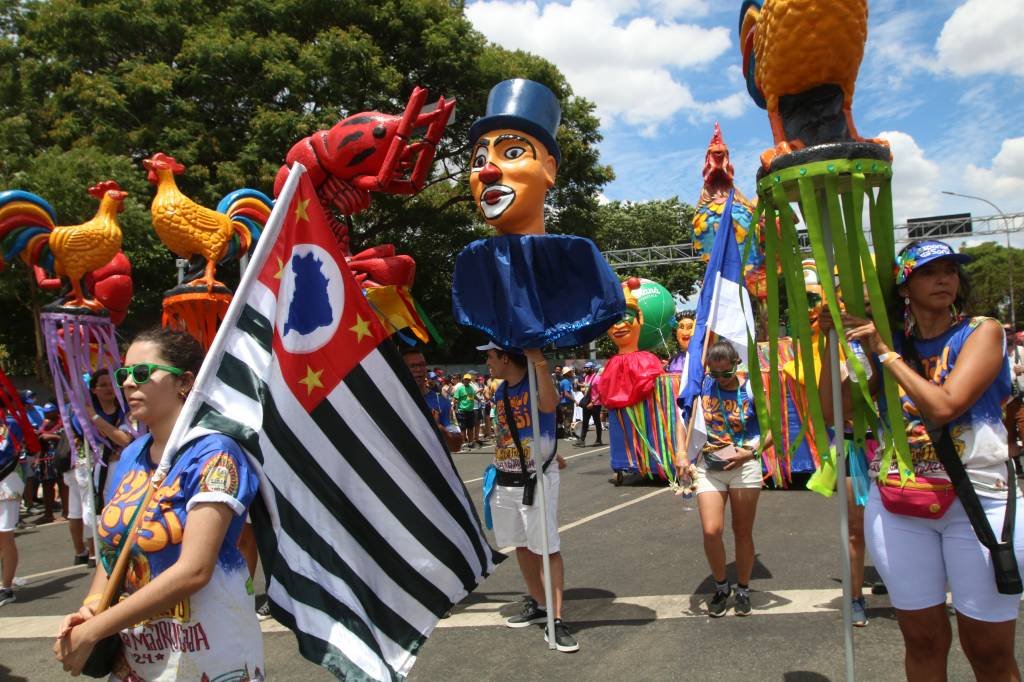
189 229
800 60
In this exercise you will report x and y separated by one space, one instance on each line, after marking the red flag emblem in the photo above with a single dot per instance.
323 325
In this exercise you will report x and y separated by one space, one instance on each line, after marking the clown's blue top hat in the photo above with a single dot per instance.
524 105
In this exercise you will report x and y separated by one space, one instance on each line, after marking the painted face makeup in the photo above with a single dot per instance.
510 175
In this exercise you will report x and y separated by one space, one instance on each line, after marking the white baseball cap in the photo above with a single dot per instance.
490 345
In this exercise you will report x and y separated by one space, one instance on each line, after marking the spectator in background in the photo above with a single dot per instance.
46 467
10 492
440 408
590 404
464 397
566 401
28 465
483 418
1014 420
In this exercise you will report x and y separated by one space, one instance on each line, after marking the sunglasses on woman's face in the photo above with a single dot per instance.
142 372
724 374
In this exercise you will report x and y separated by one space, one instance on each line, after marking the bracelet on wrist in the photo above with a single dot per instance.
888 358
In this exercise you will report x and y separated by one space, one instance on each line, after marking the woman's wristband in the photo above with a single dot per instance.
888 358
92 599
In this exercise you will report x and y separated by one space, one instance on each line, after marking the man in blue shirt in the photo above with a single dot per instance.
440 407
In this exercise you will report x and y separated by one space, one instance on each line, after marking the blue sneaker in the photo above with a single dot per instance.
860 616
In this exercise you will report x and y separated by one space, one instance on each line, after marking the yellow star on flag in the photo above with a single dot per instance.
312 380
300 209
361 328
280 269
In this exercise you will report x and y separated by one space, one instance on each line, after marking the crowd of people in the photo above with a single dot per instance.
961 382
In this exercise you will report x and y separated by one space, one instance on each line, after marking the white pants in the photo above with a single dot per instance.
9 515
918 557
516 525
77 481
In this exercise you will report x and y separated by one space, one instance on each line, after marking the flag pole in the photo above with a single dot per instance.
697 403
838 424
542 495
234 311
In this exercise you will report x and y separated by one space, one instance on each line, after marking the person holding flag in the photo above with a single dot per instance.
11 488
727 470
722 437
187 609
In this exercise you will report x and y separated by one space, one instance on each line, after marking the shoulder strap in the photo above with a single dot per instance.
965 491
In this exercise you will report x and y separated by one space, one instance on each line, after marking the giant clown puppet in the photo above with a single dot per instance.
524 288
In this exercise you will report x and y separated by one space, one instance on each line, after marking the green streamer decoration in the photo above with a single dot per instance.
831 196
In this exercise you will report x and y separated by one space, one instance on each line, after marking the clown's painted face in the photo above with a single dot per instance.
511 172
626 332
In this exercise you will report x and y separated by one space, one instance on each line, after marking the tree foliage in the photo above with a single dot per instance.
989 276
89 89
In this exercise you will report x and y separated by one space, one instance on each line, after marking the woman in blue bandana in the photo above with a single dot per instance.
953 379
186 611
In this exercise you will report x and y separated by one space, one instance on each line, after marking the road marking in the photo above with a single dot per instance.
589 452
488 614
604 512
28 579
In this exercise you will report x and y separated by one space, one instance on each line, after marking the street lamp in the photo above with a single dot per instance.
1009 249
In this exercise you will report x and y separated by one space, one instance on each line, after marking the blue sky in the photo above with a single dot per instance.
942 79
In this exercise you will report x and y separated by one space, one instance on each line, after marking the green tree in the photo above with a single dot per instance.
89 89
988 274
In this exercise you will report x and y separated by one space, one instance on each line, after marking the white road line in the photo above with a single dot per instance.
653 608
589 452
605 512
28 579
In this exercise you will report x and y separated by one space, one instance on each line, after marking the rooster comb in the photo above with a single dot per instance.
716 139
100 189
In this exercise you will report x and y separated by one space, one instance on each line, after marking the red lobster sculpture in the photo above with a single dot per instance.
369 152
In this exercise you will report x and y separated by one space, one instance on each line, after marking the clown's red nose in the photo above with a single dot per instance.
490 174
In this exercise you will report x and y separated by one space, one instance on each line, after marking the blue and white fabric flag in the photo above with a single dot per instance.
723 308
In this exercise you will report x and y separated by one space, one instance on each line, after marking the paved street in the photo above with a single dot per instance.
636 584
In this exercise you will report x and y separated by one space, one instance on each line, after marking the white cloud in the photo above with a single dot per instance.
621 54
983 36
915 179
1004 180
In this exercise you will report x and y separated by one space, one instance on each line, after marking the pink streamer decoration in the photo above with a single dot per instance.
69 339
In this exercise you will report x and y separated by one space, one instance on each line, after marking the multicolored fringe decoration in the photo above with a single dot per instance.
78 345
643 436
831 196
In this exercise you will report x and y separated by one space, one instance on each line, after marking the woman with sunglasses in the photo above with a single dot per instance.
186 610
727 470
952 372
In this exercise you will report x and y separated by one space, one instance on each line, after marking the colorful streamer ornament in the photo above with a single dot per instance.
78 345
831 195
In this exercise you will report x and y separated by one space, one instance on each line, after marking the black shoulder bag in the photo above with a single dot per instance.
529 481
1004 560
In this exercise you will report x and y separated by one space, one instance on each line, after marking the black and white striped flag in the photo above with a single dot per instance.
366 533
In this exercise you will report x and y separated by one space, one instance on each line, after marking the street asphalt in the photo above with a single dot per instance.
636 584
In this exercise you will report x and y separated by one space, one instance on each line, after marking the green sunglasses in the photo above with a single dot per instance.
725 374
142 372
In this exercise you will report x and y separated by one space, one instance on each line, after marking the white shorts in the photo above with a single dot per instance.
516 525
746 476
9 515
917 558
77 495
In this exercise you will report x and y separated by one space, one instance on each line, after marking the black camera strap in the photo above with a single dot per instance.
510 422
1004 561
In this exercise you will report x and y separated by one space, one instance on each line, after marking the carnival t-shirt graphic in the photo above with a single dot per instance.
213 634
506 455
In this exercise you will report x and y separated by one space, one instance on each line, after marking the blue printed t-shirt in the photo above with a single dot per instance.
440 408
564 386
506 457
11 485
979 435
212 634
735 405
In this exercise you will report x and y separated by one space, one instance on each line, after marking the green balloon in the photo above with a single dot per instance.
659 311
